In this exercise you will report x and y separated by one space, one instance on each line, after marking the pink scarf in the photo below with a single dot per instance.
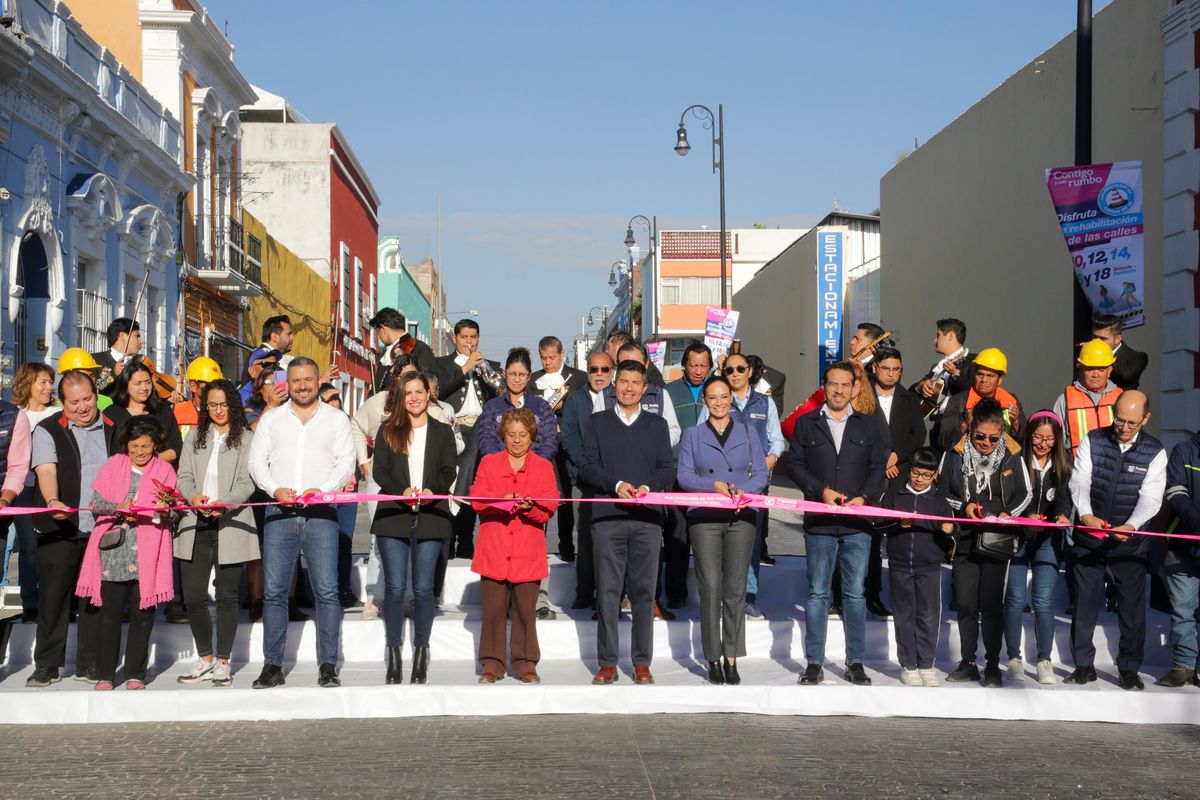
156 582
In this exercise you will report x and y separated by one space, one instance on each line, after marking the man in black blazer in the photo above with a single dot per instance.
124 341
838 457
392 329
1130 364
555 381
462 386
626 454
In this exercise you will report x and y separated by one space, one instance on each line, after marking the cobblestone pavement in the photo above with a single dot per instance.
710 756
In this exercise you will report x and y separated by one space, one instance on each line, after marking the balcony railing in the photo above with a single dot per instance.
95 312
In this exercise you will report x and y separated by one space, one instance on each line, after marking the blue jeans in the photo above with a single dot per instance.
752 573
395 556
1044 561
1181 575
850 551
286 532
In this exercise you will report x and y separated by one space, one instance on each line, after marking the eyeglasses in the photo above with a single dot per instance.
922 474
217 406
1038 438
517 375
1126 423
600 370
739 369
986 437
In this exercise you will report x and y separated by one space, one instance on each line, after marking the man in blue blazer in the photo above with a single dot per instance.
838 457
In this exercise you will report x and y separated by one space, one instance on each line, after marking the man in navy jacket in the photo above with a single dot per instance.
627 453
1181 567
838 457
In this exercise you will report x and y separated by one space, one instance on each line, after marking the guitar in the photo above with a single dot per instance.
938 374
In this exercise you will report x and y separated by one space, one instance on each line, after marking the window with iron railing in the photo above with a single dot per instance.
95 313
254 259
237 254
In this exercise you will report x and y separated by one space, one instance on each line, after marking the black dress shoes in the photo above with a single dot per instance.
1081 675
857 675
731 674
813 675
327 677
270 677
715 675
1130 681
878 609
420 670
395 666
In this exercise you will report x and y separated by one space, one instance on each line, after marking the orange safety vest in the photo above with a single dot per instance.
186 416
1084 416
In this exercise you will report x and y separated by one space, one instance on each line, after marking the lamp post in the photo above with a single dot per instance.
651 226
614 272
717 125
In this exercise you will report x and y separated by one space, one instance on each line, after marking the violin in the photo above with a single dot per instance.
165 384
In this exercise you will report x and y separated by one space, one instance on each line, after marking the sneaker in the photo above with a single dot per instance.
911 677
546 614
43 677
992 679
835 612
1045 674
221 674
103 686
370 610
87 675
1016 669
201 671
134 685
754 612
965 672
929 677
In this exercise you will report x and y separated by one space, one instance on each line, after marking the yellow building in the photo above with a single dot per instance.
289 286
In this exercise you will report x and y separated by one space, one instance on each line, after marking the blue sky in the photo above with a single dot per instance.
545 126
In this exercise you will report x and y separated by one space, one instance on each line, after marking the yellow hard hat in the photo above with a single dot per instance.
992 358
76 358
203 369
1096 353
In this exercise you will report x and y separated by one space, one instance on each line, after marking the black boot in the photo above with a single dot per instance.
395 665
715 675
420 669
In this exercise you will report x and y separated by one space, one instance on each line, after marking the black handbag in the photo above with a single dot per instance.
996 545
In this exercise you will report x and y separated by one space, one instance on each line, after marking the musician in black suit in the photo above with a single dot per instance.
466 389
554 382
902 410
954 372
392 329
1130 364
124 342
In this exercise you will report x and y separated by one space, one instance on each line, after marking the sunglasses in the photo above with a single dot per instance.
739 369
601 370
986 437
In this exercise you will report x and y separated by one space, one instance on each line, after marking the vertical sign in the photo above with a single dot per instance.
829 298
1099 209
658 354
720 326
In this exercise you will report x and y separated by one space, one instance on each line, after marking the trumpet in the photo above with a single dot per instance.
488 374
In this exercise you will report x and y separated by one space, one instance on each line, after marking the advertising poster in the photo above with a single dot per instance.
829 299
1099 208
719 329
658 354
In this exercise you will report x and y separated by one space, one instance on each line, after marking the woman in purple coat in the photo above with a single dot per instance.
517 369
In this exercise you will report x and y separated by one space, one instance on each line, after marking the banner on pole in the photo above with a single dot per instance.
829 298
720 324
1099 208
658 354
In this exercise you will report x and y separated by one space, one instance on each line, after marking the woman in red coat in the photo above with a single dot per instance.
510 550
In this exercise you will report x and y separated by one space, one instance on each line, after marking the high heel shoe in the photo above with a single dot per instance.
731 673
420 668
715 676
395 666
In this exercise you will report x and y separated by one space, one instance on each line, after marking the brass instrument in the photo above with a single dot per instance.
488 374
938 374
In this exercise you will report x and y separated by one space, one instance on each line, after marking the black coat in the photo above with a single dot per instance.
452 383
1129 366
576 380
907 427
856 471
777 381
922 547
420 353
390 469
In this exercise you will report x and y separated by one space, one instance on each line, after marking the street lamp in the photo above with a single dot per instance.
614 271
682 147
470 312
651 226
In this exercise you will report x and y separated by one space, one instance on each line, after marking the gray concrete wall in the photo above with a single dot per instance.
968 227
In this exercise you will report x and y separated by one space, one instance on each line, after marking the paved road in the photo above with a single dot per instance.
710 756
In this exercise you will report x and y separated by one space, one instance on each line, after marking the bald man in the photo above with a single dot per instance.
1117 485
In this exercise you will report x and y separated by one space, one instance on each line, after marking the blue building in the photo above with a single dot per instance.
398 289
90 192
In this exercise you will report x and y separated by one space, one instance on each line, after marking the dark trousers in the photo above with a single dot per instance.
676 550
566 511
58 563
722 559
626 553
113 595
873 585
917 610
585 562
1129 576
464 520
979 593
498 598
194 576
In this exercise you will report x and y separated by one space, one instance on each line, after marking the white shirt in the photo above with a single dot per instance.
597 400
885 403
1150 495
550 383
837 427
212 486
471 406
630 419
117 355
416 456
288 453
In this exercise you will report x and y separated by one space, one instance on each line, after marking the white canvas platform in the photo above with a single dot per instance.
775 657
